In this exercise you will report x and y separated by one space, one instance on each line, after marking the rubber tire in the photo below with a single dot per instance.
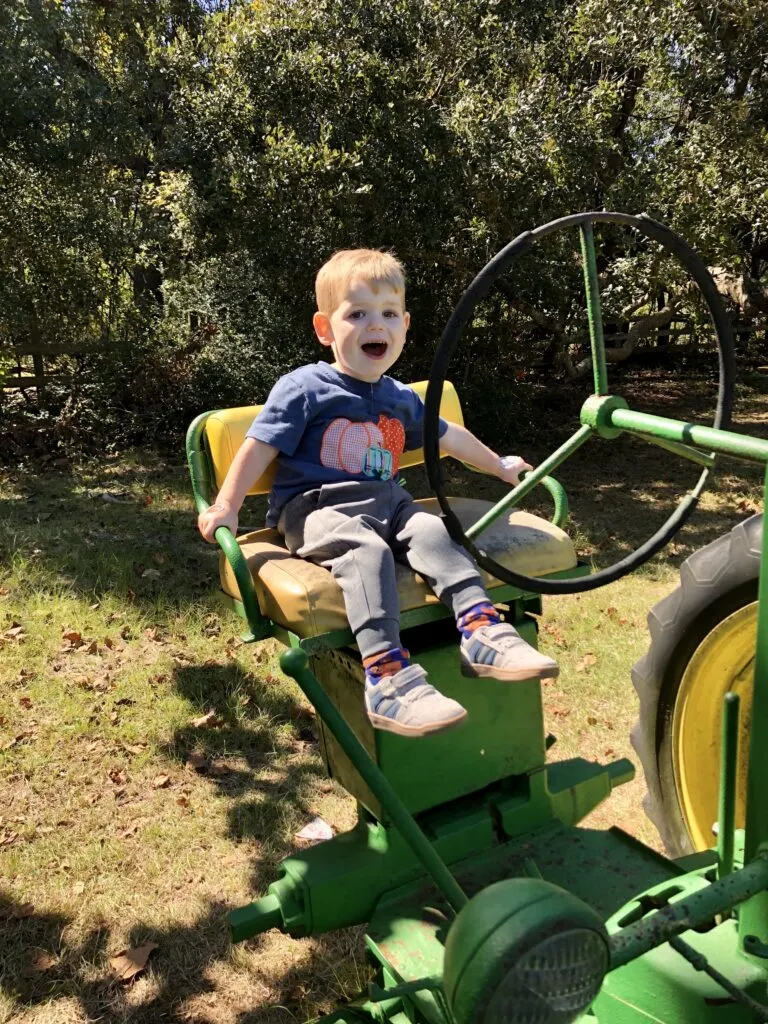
715 581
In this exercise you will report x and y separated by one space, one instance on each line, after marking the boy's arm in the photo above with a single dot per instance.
250 462
462 445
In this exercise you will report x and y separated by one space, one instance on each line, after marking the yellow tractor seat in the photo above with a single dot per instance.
305 598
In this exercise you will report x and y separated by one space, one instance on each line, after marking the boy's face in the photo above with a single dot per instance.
366 330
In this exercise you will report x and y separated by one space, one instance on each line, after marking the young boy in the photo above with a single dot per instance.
337 431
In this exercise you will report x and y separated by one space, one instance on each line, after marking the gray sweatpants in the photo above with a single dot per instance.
358 530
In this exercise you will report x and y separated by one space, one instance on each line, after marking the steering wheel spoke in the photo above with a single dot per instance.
594 314
602 413
534 477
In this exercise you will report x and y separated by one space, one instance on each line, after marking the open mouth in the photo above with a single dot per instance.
375 349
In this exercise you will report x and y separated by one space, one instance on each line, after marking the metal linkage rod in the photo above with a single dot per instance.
709 438
690 912
727 800
753 917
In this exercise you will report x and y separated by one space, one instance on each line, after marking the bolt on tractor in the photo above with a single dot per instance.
484 901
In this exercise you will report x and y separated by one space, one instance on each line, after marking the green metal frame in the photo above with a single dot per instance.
409 875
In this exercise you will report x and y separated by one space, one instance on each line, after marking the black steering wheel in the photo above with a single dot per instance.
596 412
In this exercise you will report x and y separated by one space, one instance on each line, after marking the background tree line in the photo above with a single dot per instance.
173 172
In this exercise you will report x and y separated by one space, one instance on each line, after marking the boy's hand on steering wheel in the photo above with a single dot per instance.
215 516
511 466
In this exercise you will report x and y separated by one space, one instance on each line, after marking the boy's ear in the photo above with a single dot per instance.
322 324
407 319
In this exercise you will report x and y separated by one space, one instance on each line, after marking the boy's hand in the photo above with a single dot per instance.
511 466
220 514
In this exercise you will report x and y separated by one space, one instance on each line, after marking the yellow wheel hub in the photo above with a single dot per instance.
723 661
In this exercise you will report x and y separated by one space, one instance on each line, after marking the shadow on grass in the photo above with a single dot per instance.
262 756
124 529
39 966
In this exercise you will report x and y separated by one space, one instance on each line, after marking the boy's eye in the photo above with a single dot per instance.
356 314
391 313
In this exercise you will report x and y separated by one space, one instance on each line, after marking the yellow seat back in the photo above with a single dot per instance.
225 431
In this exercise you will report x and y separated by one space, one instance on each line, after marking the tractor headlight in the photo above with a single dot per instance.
524 951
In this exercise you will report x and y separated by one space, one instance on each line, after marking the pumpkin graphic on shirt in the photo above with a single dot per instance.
370 449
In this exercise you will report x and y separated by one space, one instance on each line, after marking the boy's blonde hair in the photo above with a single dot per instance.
372 265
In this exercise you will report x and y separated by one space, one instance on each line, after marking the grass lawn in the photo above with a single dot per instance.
155 769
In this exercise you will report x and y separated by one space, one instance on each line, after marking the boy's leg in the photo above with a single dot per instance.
489 647
397 695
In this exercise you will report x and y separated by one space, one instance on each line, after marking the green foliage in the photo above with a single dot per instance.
173 173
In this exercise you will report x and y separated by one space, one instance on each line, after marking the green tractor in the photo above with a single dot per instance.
484 901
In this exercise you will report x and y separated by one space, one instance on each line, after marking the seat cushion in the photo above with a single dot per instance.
305 598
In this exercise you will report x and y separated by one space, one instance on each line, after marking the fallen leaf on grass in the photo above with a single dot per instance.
584 663
212 625
161 782
115 499
26 702
209 718
130 830
28 734
557 710
135 748
17 911
41 962
197 761
129 962
591 720
151 574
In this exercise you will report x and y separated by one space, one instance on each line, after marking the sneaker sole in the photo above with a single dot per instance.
506 675
384 724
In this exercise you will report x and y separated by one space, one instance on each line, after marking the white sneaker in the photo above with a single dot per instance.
500 652
406 704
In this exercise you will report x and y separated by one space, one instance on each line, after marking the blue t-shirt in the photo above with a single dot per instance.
329 428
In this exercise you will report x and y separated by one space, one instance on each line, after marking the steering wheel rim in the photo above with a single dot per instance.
458 320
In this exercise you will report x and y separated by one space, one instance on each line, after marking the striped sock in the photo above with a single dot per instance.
481 614
385 664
